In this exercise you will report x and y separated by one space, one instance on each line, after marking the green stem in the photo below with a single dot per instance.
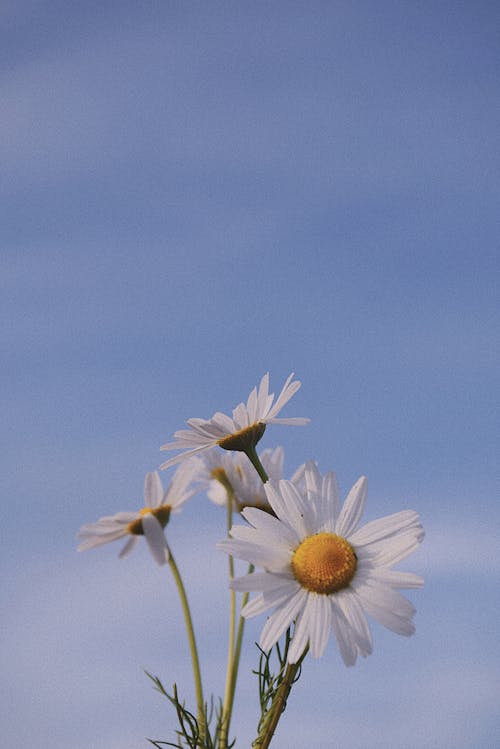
192 644
233 676
251 454
229 692
278 705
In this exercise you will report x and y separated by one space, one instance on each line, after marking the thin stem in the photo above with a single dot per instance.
252 456
278 705
236 662
192 643
229 692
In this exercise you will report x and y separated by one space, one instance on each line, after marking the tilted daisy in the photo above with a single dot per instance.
322 570
241 432
233 470
150 521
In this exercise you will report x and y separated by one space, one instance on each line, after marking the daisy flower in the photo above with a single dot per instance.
241 432
150 520
234 471
322 570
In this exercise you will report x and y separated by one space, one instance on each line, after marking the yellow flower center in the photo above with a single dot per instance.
243 439
324 563
161 513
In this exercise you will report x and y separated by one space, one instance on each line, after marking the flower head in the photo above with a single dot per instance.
241 432
150 521
322 570
233 471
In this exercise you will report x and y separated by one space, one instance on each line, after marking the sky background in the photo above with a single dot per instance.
193 194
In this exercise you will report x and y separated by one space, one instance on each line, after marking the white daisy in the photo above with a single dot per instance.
225 470
243 430
322 571
150 520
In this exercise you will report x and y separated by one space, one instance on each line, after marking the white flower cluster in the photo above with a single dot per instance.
319 569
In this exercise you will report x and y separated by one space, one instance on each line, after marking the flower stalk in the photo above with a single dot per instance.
192 643
252 456
278 704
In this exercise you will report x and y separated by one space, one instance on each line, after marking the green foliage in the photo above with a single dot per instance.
189 733
270 682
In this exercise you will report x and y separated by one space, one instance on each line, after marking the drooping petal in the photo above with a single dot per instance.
93 541
270 599
155 537
313 626
182 456
350 606
131 543
262 581
343 635
281 619
388 607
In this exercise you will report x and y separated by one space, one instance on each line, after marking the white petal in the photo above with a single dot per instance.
270 599
312 478
352 609
281 619
343 635
388 607
273 559
240 417
94 541
276 501
378 530
352 510
331 501
398 579
223 422
270 526
128 546
264 402
259 538
299 513
263 581
203 429
153 489
294 421
300 635
252 406
155 537
399 547
183 456
272 460
313 627
288 391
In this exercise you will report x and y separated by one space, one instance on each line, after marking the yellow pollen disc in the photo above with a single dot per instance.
324 563
161 513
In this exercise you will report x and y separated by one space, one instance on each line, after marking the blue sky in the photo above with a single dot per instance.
194 194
